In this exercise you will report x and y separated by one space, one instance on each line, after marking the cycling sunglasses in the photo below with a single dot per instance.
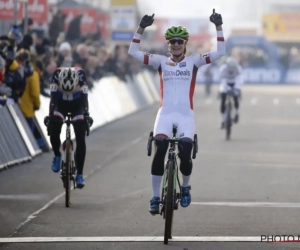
179 41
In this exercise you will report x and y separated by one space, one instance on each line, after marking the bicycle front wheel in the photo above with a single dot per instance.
169 202
68 172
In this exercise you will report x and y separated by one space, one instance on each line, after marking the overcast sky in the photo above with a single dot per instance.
198 8
235 13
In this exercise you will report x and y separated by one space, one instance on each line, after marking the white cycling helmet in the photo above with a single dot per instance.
231 62
68 79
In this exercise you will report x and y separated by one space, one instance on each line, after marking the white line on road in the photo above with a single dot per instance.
116 153
26 197
262 164
133 239
250 204
275 101
253 101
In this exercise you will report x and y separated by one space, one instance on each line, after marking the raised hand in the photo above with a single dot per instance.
216 18
146 21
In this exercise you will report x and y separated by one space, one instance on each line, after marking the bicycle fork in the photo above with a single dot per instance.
72 171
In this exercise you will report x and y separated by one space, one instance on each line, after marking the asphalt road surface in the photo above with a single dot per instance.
246 187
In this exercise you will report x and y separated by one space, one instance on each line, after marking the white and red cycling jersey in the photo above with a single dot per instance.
230 76
177 79
177 85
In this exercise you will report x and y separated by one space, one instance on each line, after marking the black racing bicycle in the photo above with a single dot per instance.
228 112
68 167
171 189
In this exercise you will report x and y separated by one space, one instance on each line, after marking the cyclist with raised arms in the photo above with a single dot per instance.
69 94
177 82
231 77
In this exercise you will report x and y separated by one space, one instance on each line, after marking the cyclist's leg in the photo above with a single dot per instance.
223 108
185 150
80 151
236 104
162 128
55 130
186 131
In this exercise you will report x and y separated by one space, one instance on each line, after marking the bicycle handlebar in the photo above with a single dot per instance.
68 121
165 139
174 140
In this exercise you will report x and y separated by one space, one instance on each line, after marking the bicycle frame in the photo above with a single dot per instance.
68 168
68 123
228 107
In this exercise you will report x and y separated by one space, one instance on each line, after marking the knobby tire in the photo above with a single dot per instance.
68 170
169 202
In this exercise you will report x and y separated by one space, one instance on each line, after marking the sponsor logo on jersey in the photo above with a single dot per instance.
177 73
182 64
171 64
53 87
85 89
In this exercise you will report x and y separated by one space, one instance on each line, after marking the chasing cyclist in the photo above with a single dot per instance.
231 78
69 94
177 82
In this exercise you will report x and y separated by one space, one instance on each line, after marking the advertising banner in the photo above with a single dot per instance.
122 19
37 10
282 27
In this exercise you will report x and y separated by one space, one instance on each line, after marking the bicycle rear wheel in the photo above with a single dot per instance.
68 172
169 202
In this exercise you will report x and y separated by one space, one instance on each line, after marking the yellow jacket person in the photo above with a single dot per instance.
30 100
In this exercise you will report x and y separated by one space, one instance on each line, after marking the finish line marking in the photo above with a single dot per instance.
131 239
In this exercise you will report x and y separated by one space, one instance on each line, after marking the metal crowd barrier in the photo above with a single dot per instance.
17 143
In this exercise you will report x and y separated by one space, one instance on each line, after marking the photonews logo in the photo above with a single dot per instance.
177 73
280 238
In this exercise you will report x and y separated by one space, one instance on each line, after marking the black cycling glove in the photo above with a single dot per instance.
146 21
89 120
216 19
47 120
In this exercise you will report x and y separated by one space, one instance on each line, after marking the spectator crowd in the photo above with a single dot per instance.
28 59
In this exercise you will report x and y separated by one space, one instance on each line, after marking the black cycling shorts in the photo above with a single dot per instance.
74 107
